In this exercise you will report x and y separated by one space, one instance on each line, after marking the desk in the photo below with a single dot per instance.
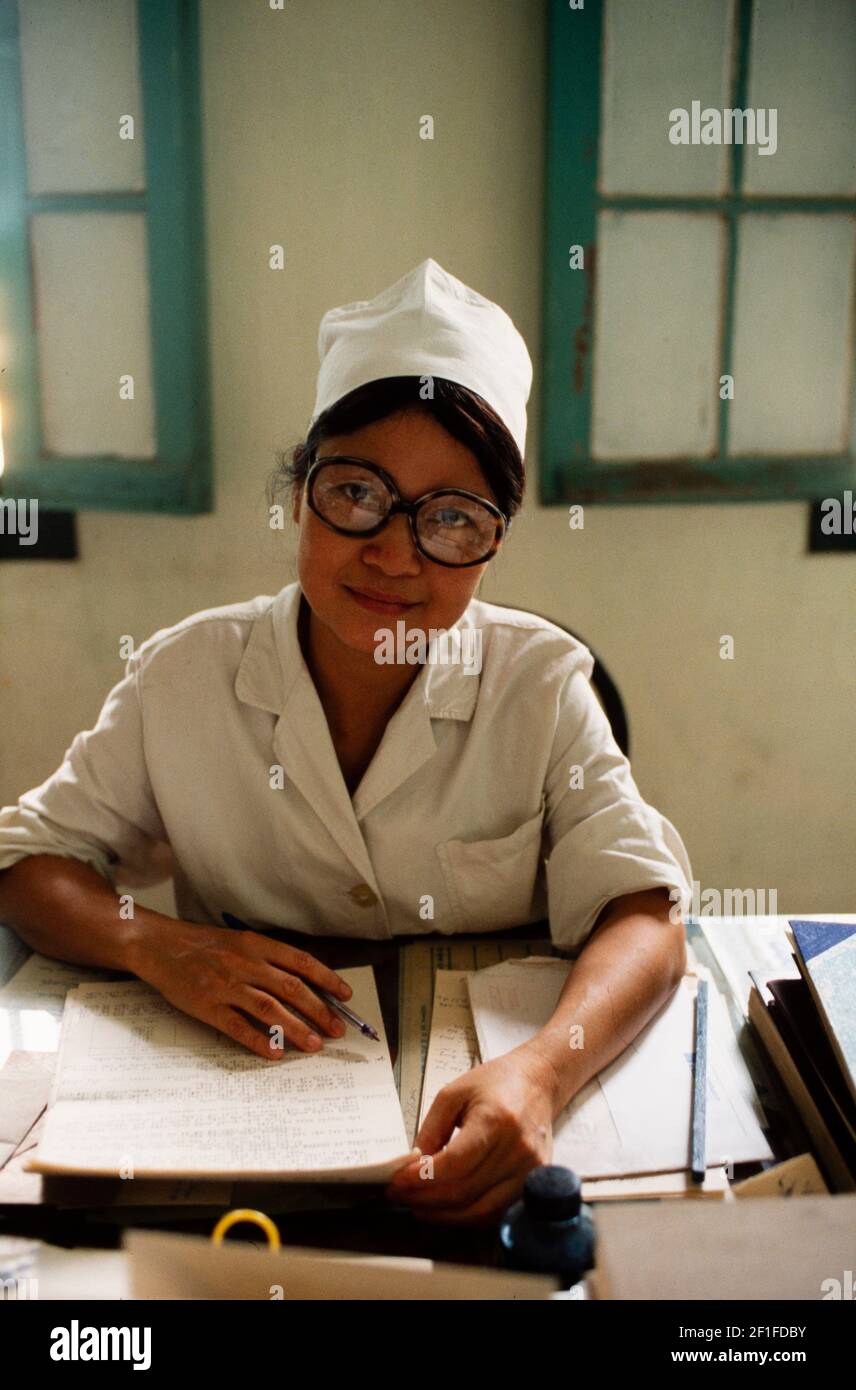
340 1217
336 1216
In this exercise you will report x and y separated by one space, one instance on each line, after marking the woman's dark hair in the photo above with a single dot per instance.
461 412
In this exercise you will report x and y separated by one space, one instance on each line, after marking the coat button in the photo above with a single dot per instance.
363 895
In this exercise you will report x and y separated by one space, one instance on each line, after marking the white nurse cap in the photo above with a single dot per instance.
427 324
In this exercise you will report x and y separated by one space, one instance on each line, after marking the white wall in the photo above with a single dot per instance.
310 125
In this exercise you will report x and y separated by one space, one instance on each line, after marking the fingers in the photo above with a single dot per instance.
298 962
280 1028
233 980
248 973
475 1159
499 1138
233 1023
281 1025
440 1121
261 1024
479 1141
296 995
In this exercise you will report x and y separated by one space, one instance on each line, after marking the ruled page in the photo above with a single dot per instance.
452 1046
142 1089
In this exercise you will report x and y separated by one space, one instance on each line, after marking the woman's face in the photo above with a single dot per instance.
421 457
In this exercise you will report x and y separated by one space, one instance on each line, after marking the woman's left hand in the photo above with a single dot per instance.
504 1110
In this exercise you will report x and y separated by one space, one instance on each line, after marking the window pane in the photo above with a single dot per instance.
792 333
803 63
658 55
92 317
656 341
80 75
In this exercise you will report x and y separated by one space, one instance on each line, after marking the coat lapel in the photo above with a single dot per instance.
273 676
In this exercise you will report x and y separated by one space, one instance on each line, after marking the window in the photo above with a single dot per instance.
103 339
703 351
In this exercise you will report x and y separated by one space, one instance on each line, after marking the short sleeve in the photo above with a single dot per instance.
98 806
603 840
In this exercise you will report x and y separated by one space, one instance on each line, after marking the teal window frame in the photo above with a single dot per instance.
179 478
568 473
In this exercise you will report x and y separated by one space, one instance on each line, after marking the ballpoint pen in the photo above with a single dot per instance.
235 922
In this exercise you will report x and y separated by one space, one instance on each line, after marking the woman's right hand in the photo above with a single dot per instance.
220 975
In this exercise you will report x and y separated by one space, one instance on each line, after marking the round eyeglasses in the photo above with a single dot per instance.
449 526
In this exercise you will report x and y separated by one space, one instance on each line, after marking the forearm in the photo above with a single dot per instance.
622 977
64 908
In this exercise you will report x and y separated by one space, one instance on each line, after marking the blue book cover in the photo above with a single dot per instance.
826 955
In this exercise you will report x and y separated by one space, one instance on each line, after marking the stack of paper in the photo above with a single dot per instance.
632 1120
635 1116
143 1090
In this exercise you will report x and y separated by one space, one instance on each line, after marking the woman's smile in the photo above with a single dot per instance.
372 599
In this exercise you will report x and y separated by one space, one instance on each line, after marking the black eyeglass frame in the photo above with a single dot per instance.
408 509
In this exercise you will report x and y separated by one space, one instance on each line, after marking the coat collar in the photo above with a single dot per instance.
273 664
274 676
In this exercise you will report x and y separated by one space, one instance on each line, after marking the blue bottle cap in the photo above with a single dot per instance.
552 1193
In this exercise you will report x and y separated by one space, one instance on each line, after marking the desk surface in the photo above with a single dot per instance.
367 1223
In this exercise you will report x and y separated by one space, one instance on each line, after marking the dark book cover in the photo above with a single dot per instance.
810 1058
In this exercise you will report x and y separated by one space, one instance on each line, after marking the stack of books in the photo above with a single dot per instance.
807 1023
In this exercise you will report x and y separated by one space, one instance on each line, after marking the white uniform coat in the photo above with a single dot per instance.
464 821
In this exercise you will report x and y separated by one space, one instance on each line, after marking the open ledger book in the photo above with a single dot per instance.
144 1090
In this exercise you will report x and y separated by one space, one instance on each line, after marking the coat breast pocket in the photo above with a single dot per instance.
493 884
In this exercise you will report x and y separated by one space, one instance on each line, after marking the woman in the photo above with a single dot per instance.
301 782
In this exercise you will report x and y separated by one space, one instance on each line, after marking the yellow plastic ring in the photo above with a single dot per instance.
255 1218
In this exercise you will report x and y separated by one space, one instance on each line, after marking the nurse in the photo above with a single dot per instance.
278 760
